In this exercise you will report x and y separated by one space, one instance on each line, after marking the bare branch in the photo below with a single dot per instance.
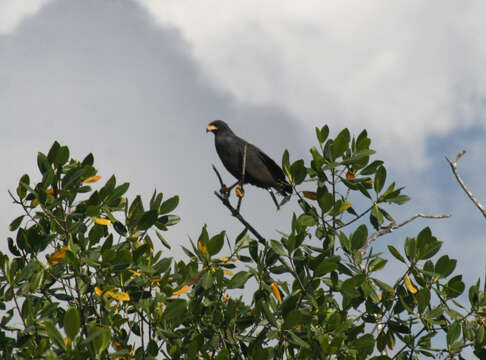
453 165
219 176
393 226
237 215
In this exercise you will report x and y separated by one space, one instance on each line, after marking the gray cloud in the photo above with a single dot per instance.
101 78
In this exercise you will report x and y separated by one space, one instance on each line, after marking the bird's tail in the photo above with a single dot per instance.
285 188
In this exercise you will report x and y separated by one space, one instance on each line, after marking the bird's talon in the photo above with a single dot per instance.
224 190
239 192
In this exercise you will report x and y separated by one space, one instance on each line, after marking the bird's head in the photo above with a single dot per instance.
216 126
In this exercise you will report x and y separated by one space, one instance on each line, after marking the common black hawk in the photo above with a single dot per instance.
260 169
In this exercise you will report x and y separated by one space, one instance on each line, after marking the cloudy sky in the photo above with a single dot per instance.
136 82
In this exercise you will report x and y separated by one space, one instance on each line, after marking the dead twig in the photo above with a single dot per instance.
393 226
453 165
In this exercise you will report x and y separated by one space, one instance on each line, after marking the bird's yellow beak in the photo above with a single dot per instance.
211 128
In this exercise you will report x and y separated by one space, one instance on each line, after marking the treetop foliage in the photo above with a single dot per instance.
83 279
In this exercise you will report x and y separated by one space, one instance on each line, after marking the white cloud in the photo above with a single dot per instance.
12 12
403 70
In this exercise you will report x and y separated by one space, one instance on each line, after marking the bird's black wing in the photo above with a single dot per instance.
277 173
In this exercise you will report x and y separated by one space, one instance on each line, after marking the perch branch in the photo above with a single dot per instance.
259 237
235 212
453 165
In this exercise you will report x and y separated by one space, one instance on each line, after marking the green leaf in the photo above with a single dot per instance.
377 264
169 205
277 247
21 190
341 143
298 341
54 333
371 168
62 156
223 354
380 179
325 267
445 266
207 280
147 220
42 163
410 249
167 220
292 318
102 341
359 237
239 280
322 134
16 223
399 199
162 239
306 220
298 171
175 310
453 332
215 244
51 155
72 322
285 160
455 287
364 345
117 192
325 200
88 160
423 299
396 253
13 249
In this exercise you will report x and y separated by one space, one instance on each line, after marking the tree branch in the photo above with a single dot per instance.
259 237
453 165
224 199
393 226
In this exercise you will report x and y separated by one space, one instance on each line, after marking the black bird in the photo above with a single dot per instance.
260 169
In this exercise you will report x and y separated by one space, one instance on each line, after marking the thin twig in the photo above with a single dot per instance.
356 218
223 185
393 226
237 215
453 165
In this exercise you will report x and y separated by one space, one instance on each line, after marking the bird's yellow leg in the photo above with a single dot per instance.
226 189
239 191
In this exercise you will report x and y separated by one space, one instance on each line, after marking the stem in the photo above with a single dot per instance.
453 165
